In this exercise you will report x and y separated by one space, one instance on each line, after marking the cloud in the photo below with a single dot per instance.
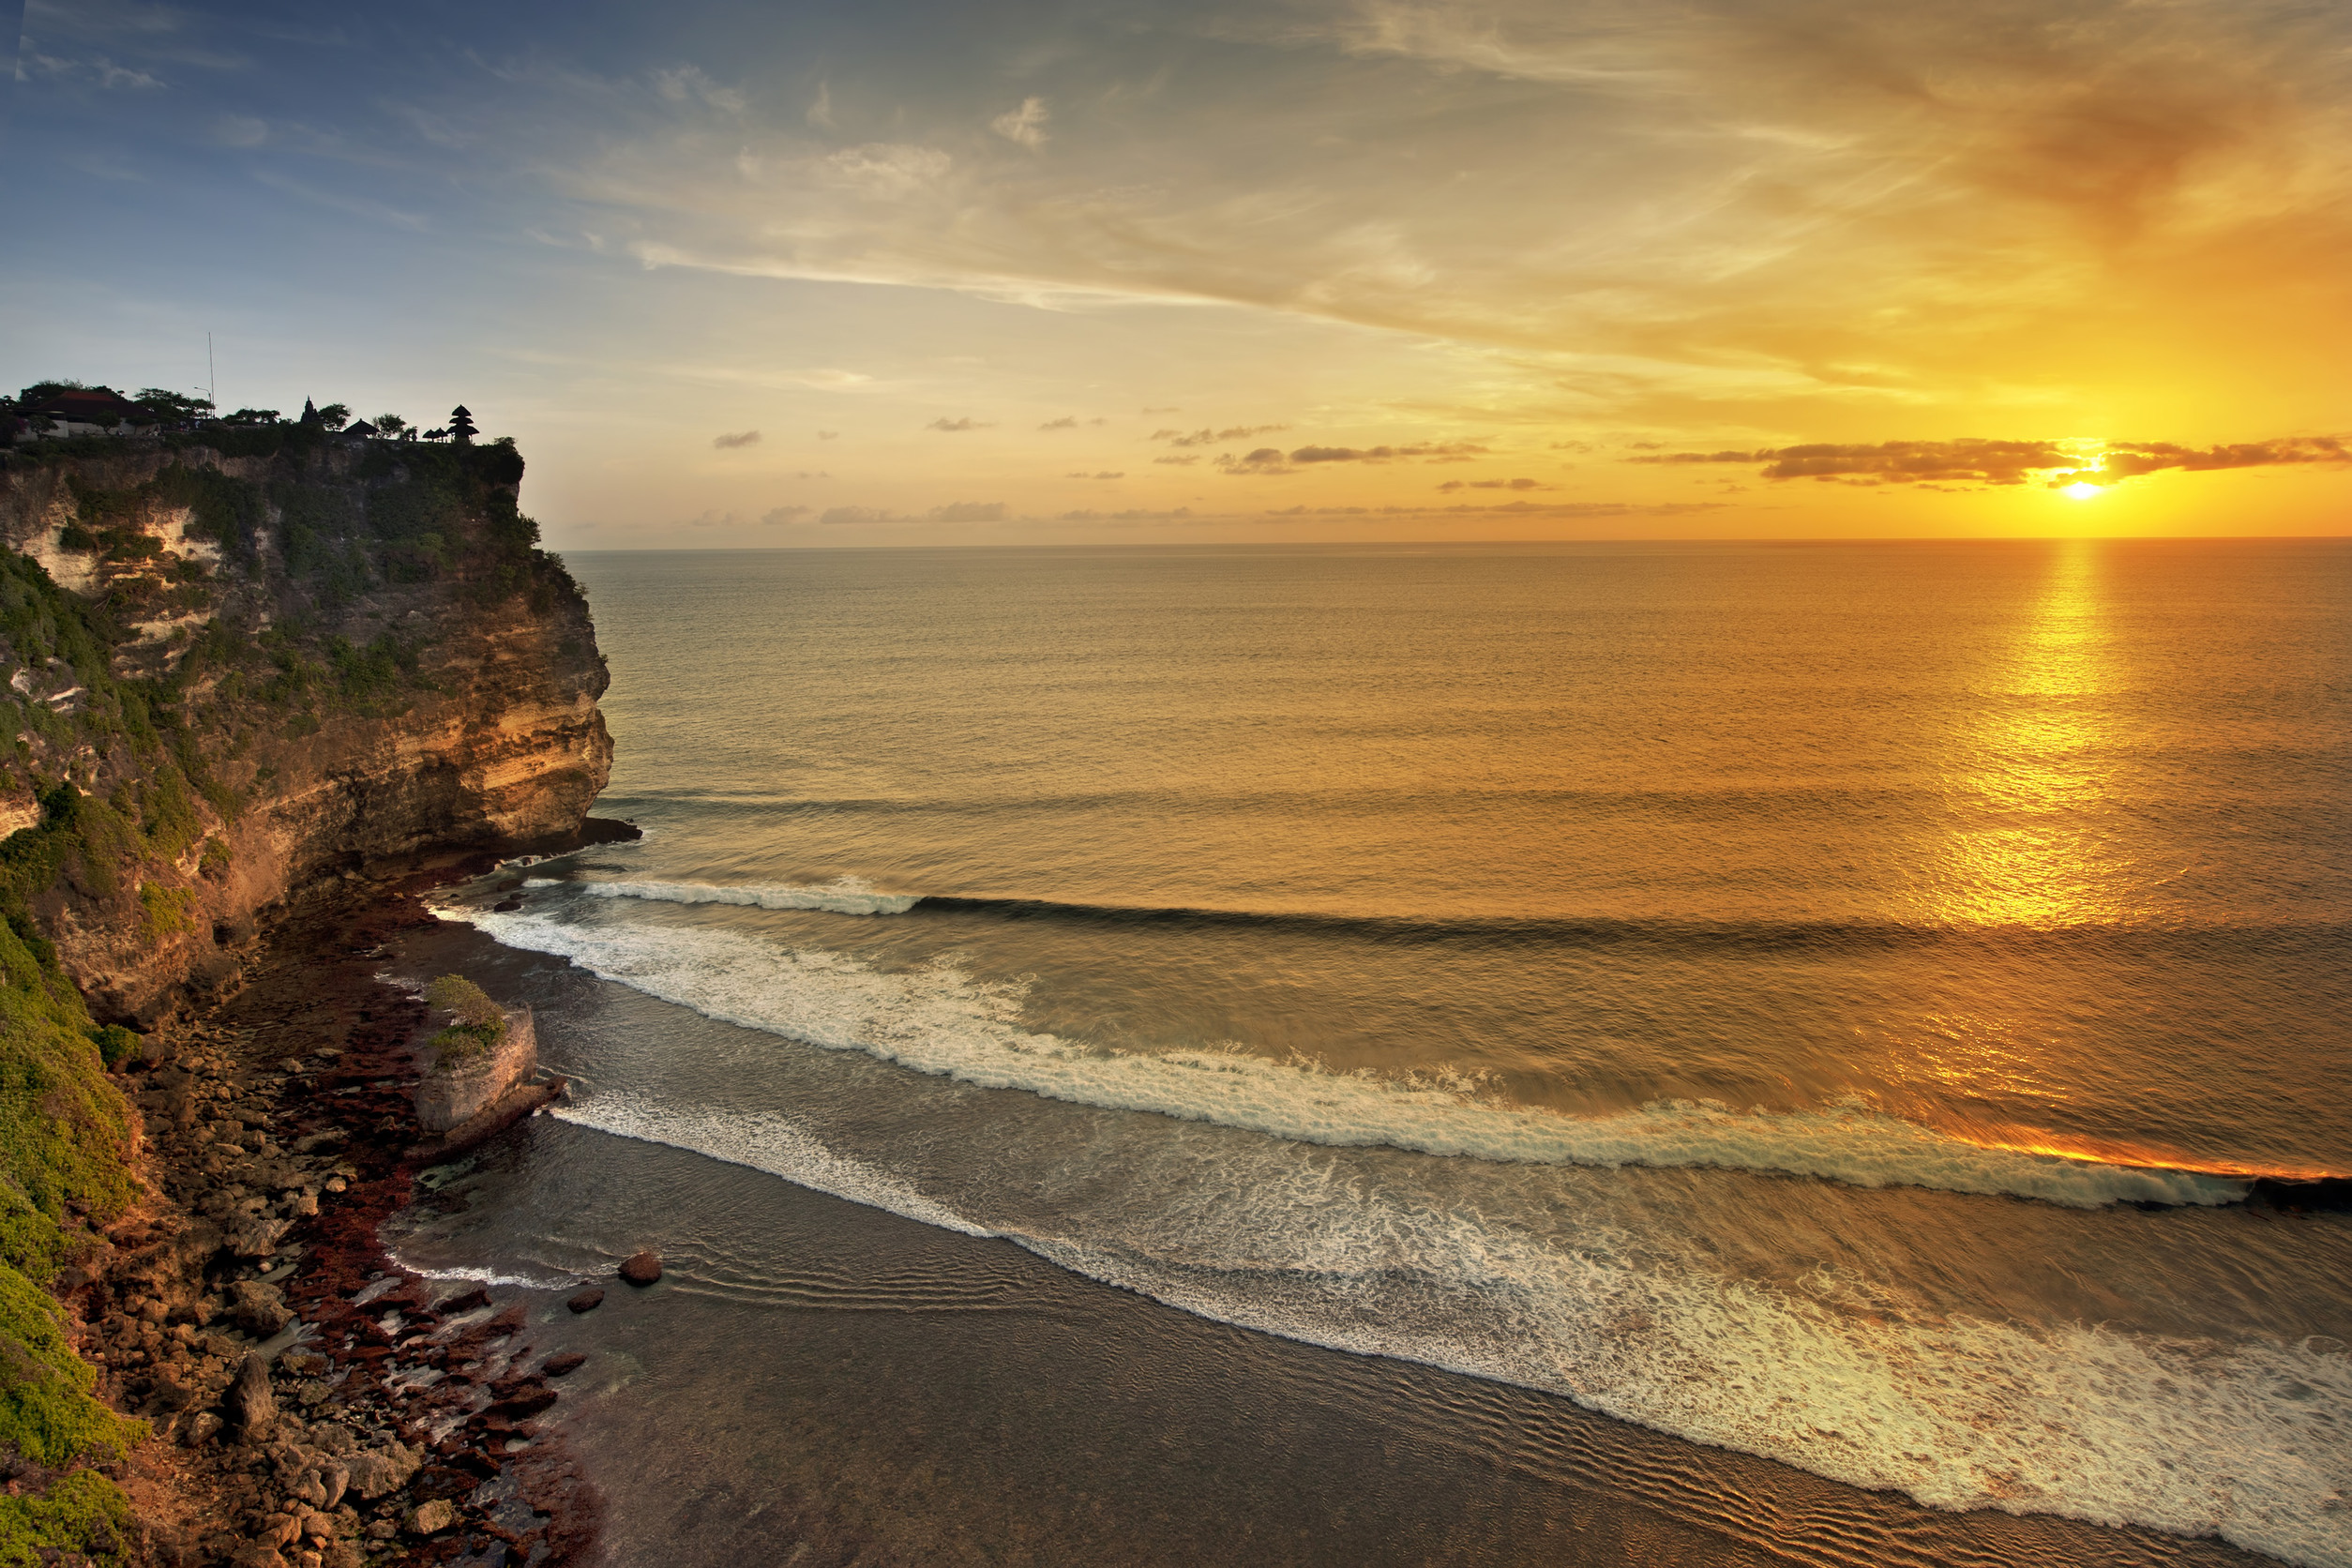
821 112
781 515
1185 460
1207 437
1067 422
1977 462
968 511
1104 474
112 75
1494 484
734 439
1783 204
1435 452
1570 509
713 519
856 517
884 171
953 425
1179 514
812 474
240 130
1264 461
687 82
1025 125
1170 409
828 435
2124 460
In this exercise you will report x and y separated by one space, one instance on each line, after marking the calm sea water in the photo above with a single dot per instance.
1828 1003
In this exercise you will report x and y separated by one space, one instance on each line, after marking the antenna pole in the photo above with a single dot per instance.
212 378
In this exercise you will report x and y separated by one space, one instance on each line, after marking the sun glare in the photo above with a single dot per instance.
2081 490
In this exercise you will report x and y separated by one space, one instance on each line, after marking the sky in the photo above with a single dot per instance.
904 272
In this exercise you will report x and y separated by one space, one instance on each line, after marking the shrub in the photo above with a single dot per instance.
478 1024
117 1044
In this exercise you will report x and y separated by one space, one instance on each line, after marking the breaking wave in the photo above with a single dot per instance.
939 1019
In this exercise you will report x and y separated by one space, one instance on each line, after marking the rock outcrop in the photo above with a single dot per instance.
452 1092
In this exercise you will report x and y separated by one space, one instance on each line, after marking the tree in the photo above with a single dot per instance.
334 415
391 424
254 417
174 405
462 425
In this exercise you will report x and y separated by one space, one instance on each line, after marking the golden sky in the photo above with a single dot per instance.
925 273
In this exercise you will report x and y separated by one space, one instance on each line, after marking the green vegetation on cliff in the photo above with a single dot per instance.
65 1149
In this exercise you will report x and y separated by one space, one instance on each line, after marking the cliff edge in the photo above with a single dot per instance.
254 660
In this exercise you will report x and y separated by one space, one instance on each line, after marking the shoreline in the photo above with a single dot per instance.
391 1419
891 1390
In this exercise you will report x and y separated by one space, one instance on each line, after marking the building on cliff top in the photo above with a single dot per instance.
80 411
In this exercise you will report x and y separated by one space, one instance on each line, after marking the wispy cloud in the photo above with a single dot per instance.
1025 125
954 425
1207 437
1425 451
734 440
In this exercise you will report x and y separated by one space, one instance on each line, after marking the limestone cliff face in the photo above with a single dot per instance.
257 668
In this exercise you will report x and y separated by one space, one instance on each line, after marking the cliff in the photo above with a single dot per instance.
252 666
231 666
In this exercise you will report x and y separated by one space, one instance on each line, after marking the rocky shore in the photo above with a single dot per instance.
238 668
313 1404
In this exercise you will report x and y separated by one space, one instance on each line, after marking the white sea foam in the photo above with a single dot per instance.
2199 1437
766 1142
937 1019
494 1278
845 896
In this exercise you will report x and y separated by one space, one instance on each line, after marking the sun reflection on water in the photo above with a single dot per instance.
2037 771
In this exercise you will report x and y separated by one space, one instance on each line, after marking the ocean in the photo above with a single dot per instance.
1818 1040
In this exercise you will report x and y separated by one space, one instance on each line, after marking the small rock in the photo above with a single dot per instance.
563 1364
432 1518
466 1301
643 1269
586 1301
250 1404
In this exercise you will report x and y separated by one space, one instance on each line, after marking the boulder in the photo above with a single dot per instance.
259 1309
563 1364
378 1471
643 1269
252 1409
586 1301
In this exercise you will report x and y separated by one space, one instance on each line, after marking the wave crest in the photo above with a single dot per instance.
939 1020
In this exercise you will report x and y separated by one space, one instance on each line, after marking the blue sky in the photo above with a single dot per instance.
986 272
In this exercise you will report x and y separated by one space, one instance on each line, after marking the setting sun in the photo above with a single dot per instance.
2082 490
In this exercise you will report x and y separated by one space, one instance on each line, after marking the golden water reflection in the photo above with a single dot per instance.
2030 847
2027 845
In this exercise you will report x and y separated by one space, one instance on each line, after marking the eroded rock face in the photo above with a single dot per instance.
487 734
